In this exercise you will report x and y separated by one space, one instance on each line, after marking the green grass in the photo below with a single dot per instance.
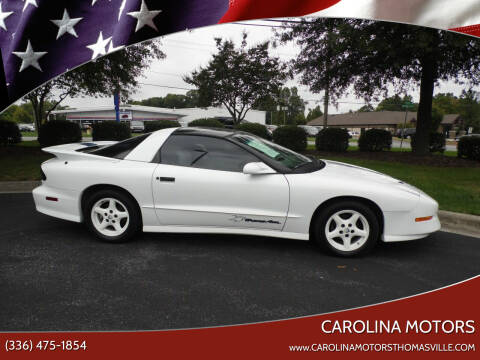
30 143
355 148
29 133
21 162
34 133
456 189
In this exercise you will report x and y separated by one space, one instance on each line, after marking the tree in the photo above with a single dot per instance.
299 119
396 103
295 105
314 113
446 103
172 101
373 56
321 53
116 72
237 78
8 114
366 108
470 109
21 113
286 98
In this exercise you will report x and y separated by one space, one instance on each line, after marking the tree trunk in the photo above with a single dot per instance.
327 60
424 115
36 113
326 100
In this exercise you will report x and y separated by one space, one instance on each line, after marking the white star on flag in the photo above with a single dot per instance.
144 17
99 47
3 16
29 57
66 24
29 2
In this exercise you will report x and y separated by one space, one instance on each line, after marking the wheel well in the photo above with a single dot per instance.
94 188
373 206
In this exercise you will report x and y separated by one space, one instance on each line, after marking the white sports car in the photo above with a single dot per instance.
192 180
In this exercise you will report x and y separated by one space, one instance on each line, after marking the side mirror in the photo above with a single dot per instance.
257 168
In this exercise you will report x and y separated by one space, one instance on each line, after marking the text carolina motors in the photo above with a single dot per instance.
389 326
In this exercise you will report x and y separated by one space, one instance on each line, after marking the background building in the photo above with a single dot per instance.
149 113
382 119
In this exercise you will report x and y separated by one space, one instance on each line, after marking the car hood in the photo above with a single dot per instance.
346 171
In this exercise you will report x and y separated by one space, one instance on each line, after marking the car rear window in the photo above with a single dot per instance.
121 149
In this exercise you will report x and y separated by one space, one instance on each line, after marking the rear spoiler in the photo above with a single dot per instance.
68 151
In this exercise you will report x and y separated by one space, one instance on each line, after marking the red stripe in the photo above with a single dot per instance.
258 9
272 340
470 30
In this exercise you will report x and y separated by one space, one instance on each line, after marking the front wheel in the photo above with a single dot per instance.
347 228
112 216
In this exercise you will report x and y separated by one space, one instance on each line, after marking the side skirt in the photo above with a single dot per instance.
223 230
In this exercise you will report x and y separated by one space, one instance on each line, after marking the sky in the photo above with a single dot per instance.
188 50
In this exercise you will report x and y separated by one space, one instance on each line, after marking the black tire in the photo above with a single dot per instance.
134 223
320 223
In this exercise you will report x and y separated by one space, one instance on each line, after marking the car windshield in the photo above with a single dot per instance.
284 156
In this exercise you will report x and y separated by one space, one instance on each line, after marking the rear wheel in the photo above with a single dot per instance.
112 216
347 228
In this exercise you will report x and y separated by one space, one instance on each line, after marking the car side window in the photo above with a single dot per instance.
204 152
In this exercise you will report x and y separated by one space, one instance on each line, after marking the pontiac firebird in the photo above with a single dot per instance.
194 180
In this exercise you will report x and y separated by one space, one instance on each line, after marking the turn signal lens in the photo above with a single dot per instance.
49 198
426 218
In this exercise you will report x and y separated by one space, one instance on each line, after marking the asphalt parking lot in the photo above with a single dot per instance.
55 276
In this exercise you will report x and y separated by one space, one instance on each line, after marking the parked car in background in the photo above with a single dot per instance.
200 180
405 133
271 128
85 126
310 130
26 127
137 126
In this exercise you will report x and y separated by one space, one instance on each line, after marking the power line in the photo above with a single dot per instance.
164 73
165 86
346 102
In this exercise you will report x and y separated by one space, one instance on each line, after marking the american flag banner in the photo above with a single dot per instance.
41 39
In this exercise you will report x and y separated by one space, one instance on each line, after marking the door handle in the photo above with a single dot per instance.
166 179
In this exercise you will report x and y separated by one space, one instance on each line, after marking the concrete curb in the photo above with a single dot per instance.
8 187
463 224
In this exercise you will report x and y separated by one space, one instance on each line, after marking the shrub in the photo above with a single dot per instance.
209 122
291 136
375 140
255 129
332 139
110 130
469 147
57 132
160 124
437 143
9 133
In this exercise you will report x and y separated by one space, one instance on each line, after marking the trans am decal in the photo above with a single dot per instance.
241 218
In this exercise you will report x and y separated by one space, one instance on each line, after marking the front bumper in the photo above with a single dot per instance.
401 226
67 206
